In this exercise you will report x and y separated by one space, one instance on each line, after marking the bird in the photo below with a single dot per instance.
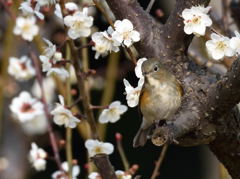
160 98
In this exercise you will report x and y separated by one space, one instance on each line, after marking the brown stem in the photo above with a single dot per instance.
83 90
75 102
122 153
156 171
149 7
98 107
104 166
8 10
225 10
102 10
52 137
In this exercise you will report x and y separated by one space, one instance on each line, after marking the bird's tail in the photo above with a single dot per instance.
141 137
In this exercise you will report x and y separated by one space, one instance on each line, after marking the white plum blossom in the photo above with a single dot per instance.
26 108
138 68
21 69
94 175
37 157
133 94
49 89
104 43
62 175
79 24
196 20
63 116
36 126
122 175
119 173
50 50
28 10
42 3
125 33
95 147
235 43
219 46
112 113
70 7
58 11
26 27
50 60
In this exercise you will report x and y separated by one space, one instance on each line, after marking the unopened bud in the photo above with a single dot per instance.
73 92
159 13
118 136
62 142
9 3
75 162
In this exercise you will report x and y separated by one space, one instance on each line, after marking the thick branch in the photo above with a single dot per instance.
235 12
206 112
104 166
173 29
224 95
142 21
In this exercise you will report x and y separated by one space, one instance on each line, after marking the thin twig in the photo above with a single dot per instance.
52 137
109 87
121 151
102 10
99 107
8 10
69 150
68 130
159 162
225 11
82 68
149 7
75 102
83 91
131 55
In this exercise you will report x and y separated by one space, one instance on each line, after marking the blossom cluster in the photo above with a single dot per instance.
111 39
53 62
35 110
196 19
133 94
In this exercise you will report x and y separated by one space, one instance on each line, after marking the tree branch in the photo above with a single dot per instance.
173 29
142 21
206 115
104 166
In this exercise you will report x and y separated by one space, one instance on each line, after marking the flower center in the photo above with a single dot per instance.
196 20
221 45
65 116
26 27
26 108
98 150
78 25
101 48
113 111
125 35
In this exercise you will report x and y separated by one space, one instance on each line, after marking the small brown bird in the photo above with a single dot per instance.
159 100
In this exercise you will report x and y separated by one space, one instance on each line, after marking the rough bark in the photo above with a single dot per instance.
104 166
207 114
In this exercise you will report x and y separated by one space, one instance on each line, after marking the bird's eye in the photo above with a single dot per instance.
155 68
